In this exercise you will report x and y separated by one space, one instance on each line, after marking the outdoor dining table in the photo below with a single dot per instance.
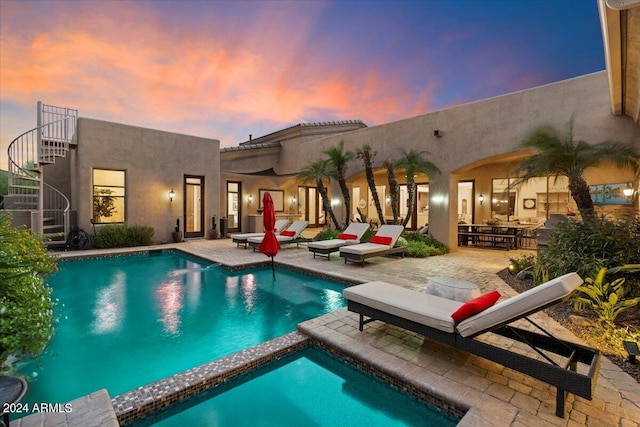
507 235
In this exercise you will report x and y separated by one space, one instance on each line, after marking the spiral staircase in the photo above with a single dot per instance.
29 196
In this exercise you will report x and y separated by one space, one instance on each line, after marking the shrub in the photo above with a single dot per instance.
420 245
516 265
122 235
327 234
606 299
588 245
26 309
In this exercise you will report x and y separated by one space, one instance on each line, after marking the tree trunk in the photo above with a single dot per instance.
393 191
347 198
374 192
580 192
411 188
326 204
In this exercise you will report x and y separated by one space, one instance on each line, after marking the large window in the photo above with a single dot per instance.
108 196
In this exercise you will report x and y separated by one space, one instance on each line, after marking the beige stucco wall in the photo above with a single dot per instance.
155 162
474 137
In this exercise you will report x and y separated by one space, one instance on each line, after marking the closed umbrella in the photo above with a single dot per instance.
269 245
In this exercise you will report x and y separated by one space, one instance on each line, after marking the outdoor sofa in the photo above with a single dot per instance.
380 244
554 362
241 238
350 236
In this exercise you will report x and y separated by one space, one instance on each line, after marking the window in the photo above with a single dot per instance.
108 196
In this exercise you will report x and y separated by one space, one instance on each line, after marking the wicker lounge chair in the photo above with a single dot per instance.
288 236
430 316
241 238
350 236
381 244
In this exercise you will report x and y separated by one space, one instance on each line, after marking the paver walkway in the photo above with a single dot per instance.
496 395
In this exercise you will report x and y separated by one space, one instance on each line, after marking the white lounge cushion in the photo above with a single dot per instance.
534 298
392 231
419 307
364 248
297 227
280 225
355 228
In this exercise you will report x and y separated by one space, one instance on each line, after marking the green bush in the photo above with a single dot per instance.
516 265
588 245
26 309
327 233
122 235
607 299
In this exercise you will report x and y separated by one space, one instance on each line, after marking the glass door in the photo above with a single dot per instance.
193 206
234 207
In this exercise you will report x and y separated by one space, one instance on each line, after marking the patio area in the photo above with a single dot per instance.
495 396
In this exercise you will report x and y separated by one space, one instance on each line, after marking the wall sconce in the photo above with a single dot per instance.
388 199
437 133
250 198
481 198
172 194
293 200
628 190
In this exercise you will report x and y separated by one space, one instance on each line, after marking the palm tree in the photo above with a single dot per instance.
365 154
559 155
412 162
394 190
317 172
338 158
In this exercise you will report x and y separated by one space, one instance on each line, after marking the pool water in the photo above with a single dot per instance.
127 321
309 388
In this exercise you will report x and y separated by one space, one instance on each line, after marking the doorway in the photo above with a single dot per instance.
234 207
310 206
193 206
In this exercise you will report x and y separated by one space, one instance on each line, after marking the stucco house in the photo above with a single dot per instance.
474 145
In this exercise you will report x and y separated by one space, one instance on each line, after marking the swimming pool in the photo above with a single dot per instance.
307 388
130 320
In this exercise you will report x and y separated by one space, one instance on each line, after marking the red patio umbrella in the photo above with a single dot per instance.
269 245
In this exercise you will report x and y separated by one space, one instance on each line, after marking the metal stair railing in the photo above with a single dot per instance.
27 154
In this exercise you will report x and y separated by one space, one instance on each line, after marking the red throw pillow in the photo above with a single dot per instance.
383 240
347 236
288 233
475 306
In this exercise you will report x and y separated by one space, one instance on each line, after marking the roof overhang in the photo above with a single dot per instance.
620 22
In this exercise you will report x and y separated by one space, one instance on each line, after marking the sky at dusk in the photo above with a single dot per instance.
227 69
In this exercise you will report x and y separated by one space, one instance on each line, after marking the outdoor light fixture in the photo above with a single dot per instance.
388 199
481 198
293 200
628 190
172 194
250 198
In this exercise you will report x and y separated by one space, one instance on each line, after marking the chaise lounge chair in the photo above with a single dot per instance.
431 316
381 244
290 235
241 238
350 236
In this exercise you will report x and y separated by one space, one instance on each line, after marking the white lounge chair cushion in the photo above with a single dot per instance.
392 231
534 298
333 243
280 225
364 248
297 227
355 228
419 307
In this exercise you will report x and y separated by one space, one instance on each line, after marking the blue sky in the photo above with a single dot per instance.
224 70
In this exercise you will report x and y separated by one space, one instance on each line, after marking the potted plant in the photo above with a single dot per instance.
177 235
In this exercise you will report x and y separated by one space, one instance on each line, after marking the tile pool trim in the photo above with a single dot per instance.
145 400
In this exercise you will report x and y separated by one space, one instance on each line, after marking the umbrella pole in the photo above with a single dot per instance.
273 269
